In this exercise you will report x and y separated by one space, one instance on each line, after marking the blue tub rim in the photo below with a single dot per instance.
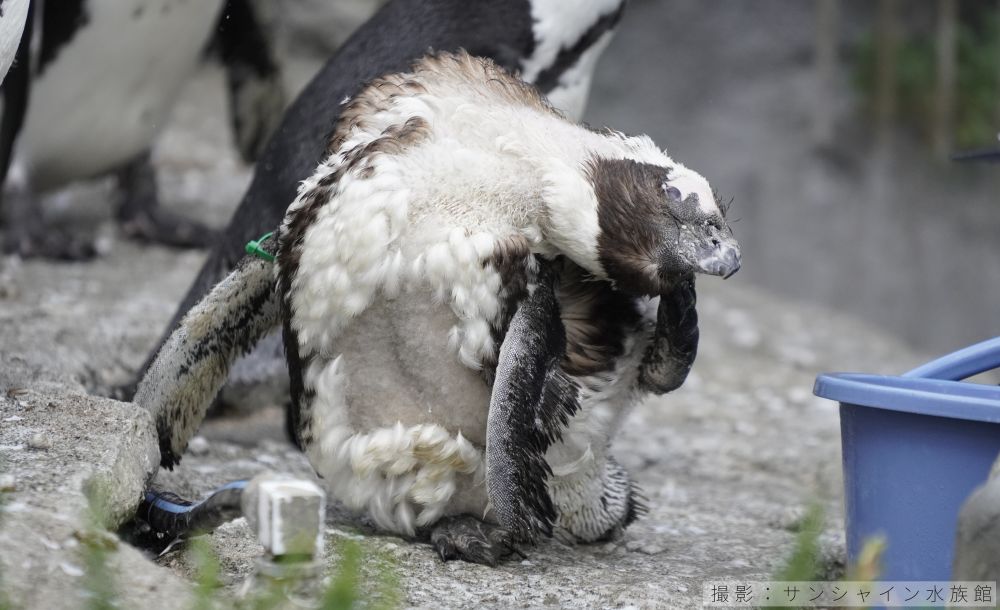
934 388
936 397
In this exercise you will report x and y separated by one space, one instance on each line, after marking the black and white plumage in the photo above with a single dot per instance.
13 14
470 292
99 89
553 43
15 39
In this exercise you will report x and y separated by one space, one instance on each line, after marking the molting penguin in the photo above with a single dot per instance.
554 44
98 91
472 288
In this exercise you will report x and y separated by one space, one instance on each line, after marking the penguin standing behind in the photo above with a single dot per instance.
472 290
554 44
95 95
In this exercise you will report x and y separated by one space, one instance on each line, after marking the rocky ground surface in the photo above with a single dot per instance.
728 463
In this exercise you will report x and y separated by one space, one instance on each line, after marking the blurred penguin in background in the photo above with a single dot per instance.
13 14
97 88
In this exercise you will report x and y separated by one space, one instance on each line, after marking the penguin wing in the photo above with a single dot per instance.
672 351
532 402
192 365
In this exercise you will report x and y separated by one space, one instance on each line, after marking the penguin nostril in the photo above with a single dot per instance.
715 242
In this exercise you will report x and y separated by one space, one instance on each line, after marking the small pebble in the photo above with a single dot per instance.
198 446
7 483
70 570
644 547
270 460
39 442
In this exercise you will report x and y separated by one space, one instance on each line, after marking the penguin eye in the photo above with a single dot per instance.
672 192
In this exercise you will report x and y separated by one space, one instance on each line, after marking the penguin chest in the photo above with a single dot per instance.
397 421
401 367
108 89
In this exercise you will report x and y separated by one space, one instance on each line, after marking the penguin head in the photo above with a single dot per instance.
658 222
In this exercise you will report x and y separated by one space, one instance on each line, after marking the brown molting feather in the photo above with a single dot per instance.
474 72
394 140
596 318
289 255
377 96
630 216
458 69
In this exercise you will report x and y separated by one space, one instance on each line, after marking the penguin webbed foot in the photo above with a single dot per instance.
33 239
141 217
159 226
470 539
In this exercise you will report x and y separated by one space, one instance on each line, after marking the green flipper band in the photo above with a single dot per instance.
254 248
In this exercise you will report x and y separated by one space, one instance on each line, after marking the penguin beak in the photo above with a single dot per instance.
722 259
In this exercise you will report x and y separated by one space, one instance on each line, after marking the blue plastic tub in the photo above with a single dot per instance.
914 448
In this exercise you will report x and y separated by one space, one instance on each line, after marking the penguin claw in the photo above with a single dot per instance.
469 539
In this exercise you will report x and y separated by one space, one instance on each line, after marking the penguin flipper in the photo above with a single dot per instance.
672 351
531 403
191 367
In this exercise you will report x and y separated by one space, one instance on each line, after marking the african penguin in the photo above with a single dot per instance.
101 87
554 44
472 290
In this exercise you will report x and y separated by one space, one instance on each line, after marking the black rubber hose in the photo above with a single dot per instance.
992 155
168 514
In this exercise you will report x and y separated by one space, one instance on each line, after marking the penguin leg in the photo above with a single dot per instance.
25 232
256 94
597 504
192 365
469 539
141 216
622 500
672 351
531 403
